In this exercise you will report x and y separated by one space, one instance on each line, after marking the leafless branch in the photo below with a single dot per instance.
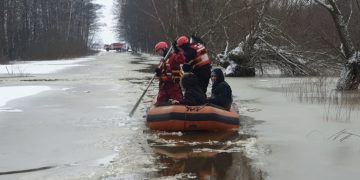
327 6
160 20
351 13
284 58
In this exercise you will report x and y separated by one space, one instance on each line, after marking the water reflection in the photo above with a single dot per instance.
202 155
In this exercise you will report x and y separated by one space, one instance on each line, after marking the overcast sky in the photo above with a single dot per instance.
106 33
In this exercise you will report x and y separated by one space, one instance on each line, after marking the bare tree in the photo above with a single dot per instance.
294 36
350 75
46 29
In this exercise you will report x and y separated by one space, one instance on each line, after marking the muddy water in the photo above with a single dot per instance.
191 155
291 128
203 155
309 131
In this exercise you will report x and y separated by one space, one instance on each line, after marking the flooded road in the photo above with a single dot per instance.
292 128
201 155
309 131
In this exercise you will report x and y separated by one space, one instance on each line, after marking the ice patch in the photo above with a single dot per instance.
179 133
65 89
134 128
14 92
10 110
106 160
121 124
250 147
109 107
243 109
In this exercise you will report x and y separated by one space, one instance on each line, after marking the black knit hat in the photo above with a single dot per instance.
187 68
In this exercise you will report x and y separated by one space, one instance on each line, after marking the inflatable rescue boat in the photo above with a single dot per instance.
191 118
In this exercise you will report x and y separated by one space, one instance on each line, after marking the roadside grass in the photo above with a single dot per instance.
14 70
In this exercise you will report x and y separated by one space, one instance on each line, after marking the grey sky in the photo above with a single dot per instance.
106 33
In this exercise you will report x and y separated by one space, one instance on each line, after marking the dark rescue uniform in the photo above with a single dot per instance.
196 56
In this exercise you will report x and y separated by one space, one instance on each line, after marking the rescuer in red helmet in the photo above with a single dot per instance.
196 56
169 75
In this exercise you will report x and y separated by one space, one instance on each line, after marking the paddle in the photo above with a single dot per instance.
152 79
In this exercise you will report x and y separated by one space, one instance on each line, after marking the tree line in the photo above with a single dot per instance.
306 25
300 37
46 29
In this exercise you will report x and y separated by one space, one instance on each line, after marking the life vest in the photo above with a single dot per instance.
171 70
201 56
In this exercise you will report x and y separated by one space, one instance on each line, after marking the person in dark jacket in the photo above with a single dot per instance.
193 95
221 93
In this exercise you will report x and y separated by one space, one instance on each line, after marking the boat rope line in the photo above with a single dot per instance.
196 108
27 170
193 117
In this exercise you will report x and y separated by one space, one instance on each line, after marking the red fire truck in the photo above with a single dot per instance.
114 46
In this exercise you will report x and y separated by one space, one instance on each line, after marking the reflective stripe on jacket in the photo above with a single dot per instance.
171 68
201 56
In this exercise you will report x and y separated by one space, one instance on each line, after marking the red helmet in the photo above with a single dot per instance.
161 45
182 40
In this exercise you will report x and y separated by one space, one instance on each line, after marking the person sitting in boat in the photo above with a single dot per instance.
193 94
169 75
221 94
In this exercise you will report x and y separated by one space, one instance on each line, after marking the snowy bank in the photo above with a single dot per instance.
10 93
23 68
40 67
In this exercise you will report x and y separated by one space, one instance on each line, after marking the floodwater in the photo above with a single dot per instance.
200 155
291 128
310 131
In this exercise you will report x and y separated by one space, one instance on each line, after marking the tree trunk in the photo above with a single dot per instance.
350 75
245 61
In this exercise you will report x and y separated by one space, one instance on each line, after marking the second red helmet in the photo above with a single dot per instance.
161 45
182 40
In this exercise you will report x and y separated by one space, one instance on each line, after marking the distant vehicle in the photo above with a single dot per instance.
107 47
117 46
114 46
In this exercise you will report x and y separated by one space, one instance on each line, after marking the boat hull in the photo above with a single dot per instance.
191 118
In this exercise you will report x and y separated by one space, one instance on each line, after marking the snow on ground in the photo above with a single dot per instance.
94 109
231 68
23 68
10 93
